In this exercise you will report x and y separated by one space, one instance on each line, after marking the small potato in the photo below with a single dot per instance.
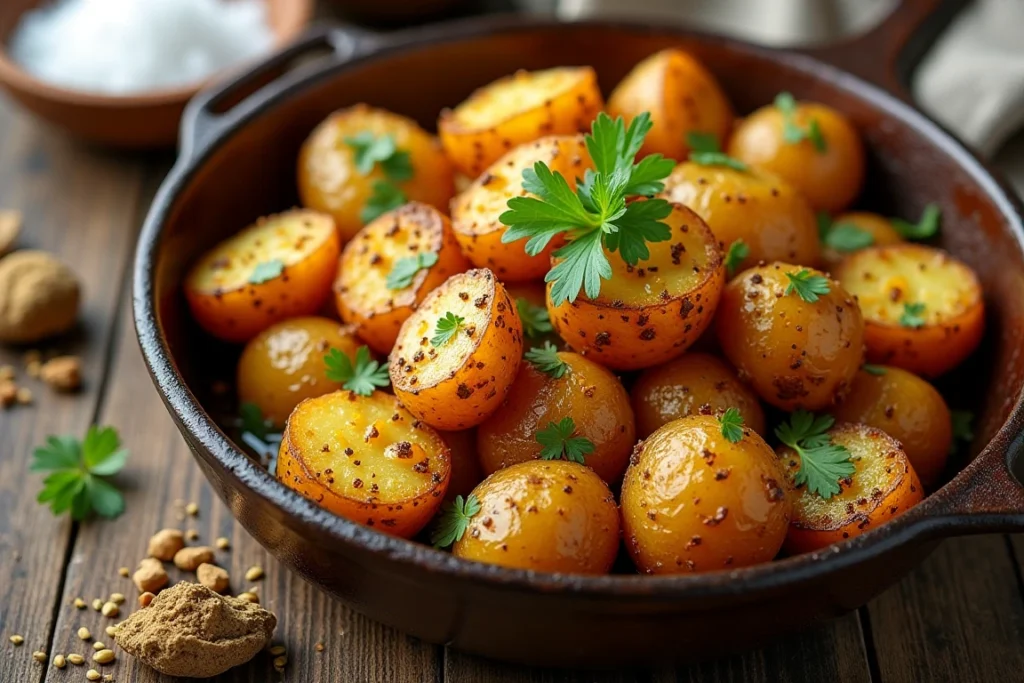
587 393
549 516
772 218
278 268
466 472
923 310
284 364
518 109
457 355
908 409
475 212
384 248
830 178
693 384
692 501
883 486
878 228
681 96
330 181
794 353
647 314
367 459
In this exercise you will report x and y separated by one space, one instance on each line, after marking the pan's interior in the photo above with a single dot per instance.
252 173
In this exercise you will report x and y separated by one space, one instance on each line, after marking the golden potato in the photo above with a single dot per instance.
854 231
550 387
457 355
681 96
284 364
924 310
549 516
829 173
390 266
908 409
795 353
332 179
695 501
367 459
650 313
476 211
278 268
693 384
515 110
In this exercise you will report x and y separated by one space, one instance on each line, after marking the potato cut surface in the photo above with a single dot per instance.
518 93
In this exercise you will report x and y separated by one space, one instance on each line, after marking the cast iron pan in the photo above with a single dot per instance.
237 162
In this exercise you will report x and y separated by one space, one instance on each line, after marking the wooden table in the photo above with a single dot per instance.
959 617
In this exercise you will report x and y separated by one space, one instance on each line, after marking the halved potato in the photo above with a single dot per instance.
454 374
367 459
516 109
278 268
475 211
386 247
924 310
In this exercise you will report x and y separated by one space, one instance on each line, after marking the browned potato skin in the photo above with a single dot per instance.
367 260
626 335
795 354
591 395
681 96
693 384
908 409
768 214
466 472
879 227
694 502
830 180
284 364
549 516
329 181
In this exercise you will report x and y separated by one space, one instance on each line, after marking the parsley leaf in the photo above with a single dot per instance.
368 149
927 226
704 150
582 266
405 269
536 320
398 166
386 197
823 464
78 469
558 442
876 370
454 520
447 327
361 377
732 425
266 270
807 286
843 236
912 315
791 130
545 359
253 422
738 251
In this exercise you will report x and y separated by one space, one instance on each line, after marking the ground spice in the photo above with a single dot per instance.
188 630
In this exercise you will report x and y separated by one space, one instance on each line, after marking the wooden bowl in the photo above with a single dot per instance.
144 120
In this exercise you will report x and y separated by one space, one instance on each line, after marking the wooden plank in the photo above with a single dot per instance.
958 617
83 206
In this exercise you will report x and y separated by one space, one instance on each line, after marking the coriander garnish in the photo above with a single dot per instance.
738 251
927 226
536 320
791 131
266 270
558 442
704 150
454 520
386 197
78 473
843 236
405 269
912 315
545 359
361 377
823 464
447 327
369 151
807 286
732 425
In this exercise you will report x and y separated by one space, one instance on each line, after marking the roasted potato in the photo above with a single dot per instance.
278 268
332 180
390 266
829 172
518 109
475 211
860 228
367 459
908 409
457 355
681 96
647 314
693 384
773 219
549 516
923 310
883 486
694 501
466 472
587 393
795 353
284 364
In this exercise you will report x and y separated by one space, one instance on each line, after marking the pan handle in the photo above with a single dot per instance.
220 106
887 54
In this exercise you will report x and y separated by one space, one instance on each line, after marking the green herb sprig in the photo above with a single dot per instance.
79 471
704 150
361 377
536 319
732 425
371 150
558 441
737 252
453 521
926 227
447 327
404 271
913 315
806 285
823 464
545 359
843 237
266 271
791 130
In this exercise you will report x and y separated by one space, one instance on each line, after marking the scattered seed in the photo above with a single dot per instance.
277 650
93 675
145 599
223 543
254 573
98 645
109 678
192 535
279 662
110 609
111 630
76 659
33 369
84 633
103 656
192 509
97 604
17 640
124 571
39 656
60 662
79 603
319 647
117 598
24 396
249 597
